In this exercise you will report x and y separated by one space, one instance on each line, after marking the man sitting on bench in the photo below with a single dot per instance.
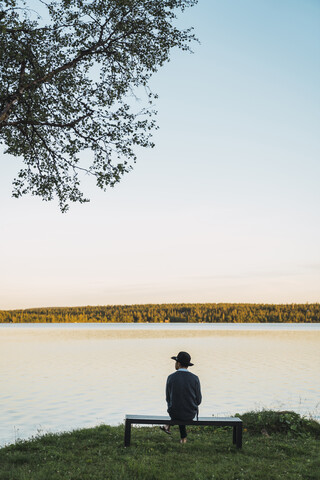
183 394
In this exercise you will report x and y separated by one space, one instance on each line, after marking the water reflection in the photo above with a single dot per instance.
56 379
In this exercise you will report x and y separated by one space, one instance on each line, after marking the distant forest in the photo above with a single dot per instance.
169 313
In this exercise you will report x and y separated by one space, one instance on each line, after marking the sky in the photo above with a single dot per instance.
225 208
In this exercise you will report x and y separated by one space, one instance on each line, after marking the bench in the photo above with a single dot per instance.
234 422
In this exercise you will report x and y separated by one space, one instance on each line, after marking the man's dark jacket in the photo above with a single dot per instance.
183 395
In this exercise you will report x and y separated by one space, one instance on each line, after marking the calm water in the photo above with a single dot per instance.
60 377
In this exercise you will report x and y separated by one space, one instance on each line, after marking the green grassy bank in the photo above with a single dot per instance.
276 445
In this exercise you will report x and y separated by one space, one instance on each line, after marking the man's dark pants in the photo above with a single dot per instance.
182 428
183 431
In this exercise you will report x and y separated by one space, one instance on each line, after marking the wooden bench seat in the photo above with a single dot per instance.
234 422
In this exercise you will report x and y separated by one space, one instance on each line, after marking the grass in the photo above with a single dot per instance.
279 452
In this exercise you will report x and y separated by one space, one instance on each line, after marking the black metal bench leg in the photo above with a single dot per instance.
127 434
239 435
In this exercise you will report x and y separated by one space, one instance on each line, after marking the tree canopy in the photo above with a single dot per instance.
170 312
69 73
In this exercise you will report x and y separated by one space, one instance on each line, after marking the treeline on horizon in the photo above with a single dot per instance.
169 313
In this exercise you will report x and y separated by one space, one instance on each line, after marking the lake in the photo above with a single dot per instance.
61 377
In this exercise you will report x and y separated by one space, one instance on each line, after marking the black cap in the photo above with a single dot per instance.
183 358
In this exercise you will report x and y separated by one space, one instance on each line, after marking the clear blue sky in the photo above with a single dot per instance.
225 208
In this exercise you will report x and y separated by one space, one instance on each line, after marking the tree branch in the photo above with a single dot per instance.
14 99
49 124
84 53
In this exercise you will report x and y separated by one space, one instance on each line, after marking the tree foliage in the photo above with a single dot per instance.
172 312
69 74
